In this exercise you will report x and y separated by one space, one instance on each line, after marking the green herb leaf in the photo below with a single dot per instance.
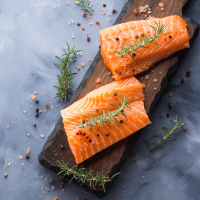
168 133
105 119
130 49
83 176
86 4
65 82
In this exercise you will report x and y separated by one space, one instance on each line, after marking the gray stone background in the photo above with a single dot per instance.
31 35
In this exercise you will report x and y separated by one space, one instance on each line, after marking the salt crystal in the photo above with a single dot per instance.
147 77
143 177
108 14
29 134
24 111
42 177
20 157
103 9
91 23
162 8
69 23
23 164
182 124
73 36
155 88
52 107
155 80
110 19
9 164
42 136
67 2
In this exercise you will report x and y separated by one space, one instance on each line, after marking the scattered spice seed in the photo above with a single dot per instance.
62 146
120 121
47 105
135 158
107 134
97 134
35 92
47 189
98 80
135 11
77 2
88 38
170 37
146 77
161 4
182 80
33 97
36 101
119 73
114 11
160 72
155 88
143 177
82 64
37 110
78 24
109 73
89 60
55 198
117 38
167 115
51 180
115 93
90 140
34 125
42 136
170 94
80 53
104 5
103 13
170 105
27 156
184 129
97 23
20 157
28 150
67 2
188 73
155 80
8 126
83 28
160 117
29 134
78 69
5 175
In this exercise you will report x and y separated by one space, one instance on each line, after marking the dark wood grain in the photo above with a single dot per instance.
111 158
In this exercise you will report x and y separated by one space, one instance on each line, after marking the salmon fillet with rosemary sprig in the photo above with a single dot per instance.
90 128
133 47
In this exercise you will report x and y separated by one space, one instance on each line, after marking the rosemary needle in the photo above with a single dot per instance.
129 49
86 5
105 119
82 175
168 133
66 75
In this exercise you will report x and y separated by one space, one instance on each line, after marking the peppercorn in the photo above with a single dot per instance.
27 156
104 5
88 38
133 54
51 179
115 93
78 24
188 73
182 80
114 11
83 134
34 125
107 134
5 175
83 121
90 140
97 134
122 110
117 38
170 105
167 115
62 146
97 23
47 106
37 110
36 115
119 73
184 129
36 101
121 121
170 36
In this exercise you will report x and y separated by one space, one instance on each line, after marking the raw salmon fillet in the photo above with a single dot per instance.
174 39
84 143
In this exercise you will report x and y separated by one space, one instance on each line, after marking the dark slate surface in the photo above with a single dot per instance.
31 34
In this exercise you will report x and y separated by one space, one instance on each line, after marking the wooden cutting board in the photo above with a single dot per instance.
112 158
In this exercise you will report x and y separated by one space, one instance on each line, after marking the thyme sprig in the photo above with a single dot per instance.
130 48
66 75
105 119
87 6
82 175
168 133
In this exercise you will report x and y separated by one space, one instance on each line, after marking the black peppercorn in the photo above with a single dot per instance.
36 101
37 115
90 140
115 94
98 135
167 115
119 73
83 122
117 38
83 134
170 36
34 125
62 146
121 121
27 156
37 109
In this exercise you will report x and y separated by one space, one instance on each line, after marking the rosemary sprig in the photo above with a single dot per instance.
105 119
168 133
129 49
82 175
87 6
66 75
